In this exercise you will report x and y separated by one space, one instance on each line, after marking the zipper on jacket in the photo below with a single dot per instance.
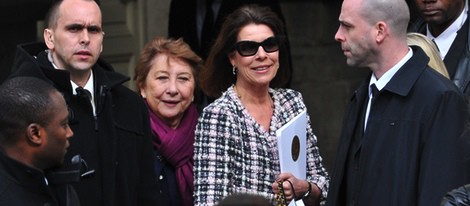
101 100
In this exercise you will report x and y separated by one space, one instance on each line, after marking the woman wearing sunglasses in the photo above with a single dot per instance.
235 145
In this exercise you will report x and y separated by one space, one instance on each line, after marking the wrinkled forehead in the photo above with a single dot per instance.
166 62
80 12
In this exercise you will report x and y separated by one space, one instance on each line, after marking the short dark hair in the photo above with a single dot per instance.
23 100
217 76
53 14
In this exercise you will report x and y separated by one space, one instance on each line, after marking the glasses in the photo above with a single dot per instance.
250 48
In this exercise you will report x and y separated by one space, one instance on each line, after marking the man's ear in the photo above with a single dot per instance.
382 31
49 38
35 134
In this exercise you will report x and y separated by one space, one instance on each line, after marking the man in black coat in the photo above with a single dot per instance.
446 22
110 121
34 136
402 140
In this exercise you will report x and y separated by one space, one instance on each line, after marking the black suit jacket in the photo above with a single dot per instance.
412 151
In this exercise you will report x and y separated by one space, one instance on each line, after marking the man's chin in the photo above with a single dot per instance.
82 66
433 20
351 63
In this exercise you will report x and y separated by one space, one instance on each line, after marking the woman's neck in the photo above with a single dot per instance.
252 94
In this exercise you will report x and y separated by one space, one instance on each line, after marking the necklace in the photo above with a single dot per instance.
271 101
236 91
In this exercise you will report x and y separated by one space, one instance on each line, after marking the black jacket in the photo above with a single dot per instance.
116 143
412 151
24 185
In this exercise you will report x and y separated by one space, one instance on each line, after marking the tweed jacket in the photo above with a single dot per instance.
233 153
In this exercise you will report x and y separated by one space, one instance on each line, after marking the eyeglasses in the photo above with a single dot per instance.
250 48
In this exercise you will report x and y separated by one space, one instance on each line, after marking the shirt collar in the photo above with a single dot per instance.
387 76
88 86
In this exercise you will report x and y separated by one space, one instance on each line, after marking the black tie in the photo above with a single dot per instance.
435 45
207 29
83 93
374 91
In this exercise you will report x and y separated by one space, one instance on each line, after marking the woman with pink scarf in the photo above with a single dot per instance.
166 79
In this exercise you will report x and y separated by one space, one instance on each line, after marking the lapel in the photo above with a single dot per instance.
350 122
456 50
355 119
400 84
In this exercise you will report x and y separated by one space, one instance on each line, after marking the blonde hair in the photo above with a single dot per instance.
435 61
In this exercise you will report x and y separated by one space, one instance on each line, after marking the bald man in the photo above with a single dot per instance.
401 142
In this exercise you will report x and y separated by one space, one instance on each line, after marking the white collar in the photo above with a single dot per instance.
88 86
387 76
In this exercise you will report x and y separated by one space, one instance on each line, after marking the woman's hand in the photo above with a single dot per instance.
299 188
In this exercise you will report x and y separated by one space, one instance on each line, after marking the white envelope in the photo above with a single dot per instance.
293 135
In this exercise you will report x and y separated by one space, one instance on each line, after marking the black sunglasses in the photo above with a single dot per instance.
250 48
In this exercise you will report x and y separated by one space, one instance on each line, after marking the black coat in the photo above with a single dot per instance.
23 185
412 151
116 143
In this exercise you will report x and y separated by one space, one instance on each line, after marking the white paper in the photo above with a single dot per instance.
297 127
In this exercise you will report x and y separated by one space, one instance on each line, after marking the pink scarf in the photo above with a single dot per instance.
177 147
